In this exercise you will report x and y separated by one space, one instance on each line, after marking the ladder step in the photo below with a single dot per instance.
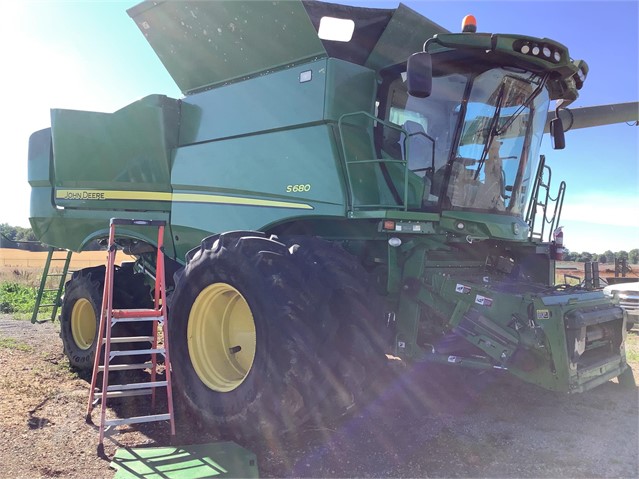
134 352
137 419
122 394
127 367
134 320
136 313
134 386
48 305
55 275
130 339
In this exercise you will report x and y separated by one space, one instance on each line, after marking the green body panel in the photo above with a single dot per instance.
135 155
483 226
83 167
283 102
260 169
206 43
137 166
285 133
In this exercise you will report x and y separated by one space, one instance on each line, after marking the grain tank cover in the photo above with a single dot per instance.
203 44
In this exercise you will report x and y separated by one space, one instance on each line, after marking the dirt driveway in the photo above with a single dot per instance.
428 424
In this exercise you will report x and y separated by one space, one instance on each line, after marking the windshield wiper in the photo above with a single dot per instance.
526 104
493 129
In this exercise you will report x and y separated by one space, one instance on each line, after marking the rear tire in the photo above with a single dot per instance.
80 314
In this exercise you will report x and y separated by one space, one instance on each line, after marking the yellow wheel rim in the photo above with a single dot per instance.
221 337
83 323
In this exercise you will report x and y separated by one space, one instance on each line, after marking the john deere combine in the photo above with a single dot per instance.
339 183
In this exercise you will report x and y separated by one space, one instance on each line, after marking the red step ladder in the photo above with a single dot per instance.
110 317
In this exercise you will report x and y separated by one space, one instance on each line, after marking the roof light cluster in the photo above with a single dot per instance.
540 50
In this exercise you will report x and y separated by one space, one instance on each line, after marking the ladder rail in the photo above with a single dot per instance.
107 300
161 295
100 339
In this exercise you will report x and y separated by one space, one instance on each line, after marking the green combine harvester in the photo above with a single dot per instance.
339 185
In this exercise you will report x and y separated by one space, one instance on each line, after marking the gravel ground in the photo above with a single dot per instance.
429 423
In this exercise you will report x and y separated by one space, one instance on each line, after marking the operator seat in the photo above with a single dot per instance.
420 148
420 155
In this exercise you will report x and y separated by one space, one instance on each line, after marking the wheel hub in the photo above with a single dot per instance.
221 337
83 324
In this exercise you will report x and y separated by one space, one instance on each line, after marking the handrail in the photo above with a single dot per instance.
403 161
535 202
559 203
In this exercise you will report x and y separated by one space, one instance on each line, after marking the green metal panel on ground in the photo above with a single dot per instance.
218 459
202 44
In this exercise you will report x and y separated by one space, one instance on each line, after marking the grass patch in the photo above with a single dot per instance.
10 343
16 298
632 347
19 299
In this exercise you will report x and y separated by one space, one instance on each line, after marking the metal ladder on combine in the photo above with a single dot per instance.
104 354
42 290
542 199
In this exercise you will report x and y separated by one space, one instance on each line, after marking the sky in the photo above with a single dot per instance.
89 55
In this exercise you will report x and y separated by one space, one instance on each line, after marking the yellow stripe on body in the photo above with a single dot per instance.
237 200
102 195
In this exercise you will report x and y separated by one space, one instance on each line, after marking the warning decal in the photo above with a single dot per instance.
483 301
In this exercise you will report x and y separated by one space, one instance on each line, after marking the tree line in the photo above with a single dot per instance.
632 256
24 238
17 233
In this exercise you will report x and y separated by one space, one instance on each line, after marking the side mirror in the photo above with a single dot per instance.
419 75
557 134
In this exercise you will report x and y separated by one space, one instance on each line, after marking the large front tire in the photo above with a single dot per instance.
266 338
243 358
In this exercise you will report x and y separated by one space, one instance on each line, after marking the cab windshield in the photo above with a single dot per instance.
473 144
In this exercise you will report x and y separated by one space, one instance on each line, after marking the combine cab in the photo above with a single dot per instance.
332 195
